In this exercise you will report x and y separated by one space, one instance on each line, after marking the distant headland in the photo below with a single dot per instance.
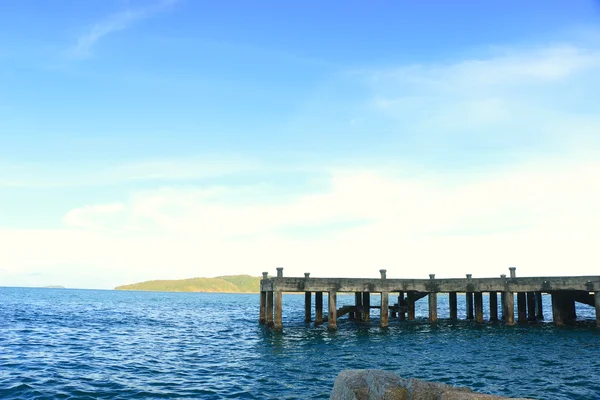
220 284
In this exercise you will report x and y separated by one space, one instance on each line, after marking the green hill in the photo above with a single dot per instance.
223 284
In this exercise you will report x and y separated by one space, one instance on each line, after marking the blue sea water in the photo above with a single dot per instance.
89 344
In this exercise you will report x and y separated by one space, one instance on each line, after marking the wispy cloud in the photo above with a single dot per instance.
115 23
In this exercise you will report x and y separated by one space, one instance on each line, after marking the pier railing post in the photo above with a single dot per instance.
278 324
453 305
332 317
280 272
318 308
432 302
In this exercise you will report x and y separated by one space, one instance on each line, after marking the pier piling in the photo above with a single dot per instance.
597 305
493 306
332 317
318 308
478 297
366 306
453 306
401 306
521 308
539 306
269 318
384 308
531 307
277 324
509 308
358 304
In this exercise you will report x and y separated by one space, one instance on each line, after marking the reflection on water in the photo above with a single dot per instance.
107 344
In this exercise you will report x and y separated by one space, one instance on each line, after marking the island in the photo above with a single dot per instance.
220 284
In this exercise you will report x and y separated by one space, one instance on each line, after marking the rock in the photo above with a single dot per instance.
372 384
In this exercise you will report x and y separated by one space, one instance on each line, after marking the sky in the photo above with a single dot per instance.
169 139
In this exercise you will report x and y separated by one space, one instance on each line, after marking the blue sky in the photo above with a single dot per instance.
175 138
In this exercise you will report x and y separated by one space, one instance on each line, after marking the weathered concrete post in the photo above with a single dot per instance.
509 306
401 305
384 306
263 303
366 306
469 299
332 318
269 308
521 307
410 299
307 301
531 306
502 299
278 325
432 303
358 305
513 272
318 308
493 306
478 307
557 315
452 304
280 272
383 319
597 304
539 306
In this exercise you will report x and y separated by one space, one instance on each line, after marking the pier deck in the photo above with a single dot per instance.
565 291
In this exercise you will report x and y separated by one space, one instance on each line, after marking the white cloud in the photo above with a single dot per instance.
115 23
540 217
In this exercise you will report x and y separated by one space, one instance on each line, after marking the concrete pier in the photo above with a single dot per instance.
565 292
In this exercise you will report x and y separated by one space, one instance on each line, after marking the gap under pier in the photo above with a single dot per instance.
565 291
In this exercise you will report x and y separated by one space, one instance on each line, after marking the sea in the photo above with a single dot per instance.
104 344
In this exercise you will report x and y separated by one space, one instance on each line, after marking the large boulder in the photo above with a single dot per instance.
373 384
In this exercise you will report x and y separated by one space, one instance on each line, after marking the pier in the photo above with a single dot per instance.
565 292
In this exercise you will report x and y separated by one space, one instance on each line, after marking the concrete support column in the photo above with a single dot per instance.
453 307
263 307
432 303
531 306
366 306
433 307
332 318
478 307
521 307
539 306
597 304
384 308
269 318
557 315
469 300
318 308
358 305
509 308
307 306
410 299
493 306
278 325
401 305
503 300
